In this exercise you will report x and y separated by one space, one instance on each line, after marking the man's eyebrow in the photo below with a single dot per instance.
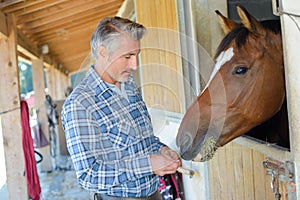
131 53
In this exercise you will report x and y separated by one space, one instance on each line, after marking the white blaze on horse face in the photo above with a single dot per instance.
224 57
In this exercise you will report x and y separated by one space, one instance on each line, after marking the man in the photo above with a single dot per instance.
108 128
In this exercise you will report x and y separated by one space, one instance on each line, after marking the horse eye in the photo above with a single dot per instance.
240 70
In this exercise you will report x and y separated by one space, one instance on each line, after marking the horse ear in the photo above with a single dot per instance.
226 23
248 20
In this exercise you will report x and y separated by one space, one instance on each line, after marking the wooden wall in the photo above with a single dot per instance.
160 70
237 172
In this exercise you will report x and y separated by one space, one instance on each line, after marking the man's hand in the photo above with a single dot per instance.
166 162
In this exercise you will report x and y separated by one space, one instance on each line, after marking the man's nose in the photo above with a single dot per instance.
133 63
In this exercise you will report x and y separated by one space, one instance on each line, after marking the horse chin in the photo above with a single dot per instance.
202 152
207 150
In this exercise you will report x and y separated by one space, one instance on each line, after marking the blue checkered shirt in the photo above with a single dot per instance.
110 139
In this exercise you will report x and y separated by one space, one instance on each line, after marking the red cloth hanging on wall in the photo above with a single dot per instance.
33 183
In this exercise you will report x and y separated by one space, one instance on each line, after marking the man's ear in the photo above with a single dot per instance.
102 52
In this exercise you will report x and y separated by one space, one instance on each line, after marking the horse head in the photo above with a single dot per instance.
245 89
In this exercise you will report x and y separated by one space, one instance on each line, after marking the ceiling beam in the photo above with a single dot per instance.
54 11
3 24
70 16
30 6
10 2
24 46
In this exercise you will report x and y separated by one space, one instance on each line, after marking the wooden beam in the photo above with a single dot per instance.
72 12
39 97
10 114
3 25
10 2
26 46
31 6
57 12
290 32
66 29
100 12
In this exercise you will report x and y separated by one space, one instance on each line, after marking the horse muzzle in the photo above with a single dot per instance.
196 149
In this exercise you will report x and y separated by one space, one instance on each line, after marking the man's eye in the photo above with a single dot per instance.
240 70
127 56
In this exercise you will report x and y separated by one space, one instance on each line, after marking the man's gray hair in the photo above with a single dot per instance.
110 29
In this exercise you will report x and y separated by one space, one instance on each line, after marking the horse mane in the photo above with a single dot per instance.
240 34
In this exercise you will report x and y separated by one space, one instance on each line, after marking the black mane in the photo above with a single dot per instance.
240 34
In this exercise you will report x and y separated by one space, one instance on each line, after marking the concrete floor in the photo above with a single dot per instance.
58 185
62 185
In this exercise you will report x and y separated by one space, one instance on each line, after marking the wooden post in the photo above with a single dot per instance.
11 115
50 81
290 21
60 89
40 97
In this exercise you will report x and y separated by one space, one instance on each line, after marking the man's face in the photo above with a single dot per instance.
121 62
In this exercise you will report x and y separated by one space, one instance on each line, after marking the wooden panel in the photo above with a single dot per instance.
248 173
236 172
160 56
259 178
229 170
237 153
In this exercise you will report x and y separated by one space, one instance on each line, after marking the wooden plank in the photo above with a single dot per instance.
229 170
215 178
259 176
25 43
237 154
68 8
25 46
242 176
147 54
211 179
160 71
10 2
3 26
71 16
29 6
10 114
291 36
75 20
51 34
248 173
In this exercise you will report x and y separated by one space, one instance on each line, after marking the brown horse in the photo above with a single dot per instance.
246 87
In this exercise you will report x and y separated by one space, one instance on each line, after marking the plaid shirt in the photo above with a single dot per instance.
110 139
